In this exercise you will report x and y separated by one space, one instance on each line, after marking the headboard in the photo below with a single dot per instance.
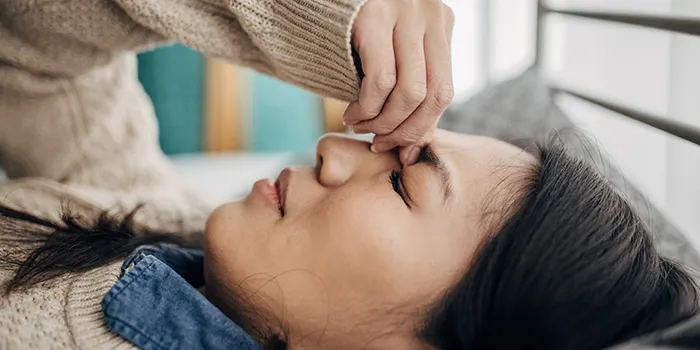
676 24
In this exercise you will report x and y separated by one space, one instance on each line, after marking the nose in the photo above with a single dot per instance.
340 157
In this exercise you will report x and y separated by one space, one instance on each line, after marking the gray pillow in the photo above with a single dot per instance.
522 110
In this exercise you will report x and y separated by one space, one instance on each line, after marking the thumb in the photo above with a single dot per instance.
409 154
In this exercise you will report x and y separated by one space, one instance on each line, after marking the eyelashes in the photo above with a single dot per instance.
396 176
397 185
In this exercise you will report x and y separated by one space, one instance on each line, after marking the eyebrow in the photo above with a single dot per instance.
427 156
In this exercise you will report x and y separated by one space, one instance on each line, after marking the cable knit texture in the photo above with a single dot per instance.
76 125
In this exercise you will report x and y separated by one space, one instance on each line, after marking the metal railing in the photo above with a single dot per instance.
674 24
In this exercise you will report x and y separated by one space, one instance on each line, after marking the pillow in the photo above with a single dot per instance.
522 110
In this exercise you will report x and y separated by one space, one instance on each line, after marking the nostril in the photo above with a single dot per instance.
319 165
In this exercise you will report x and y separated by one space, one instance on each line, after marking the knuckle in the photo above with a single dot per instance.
372 113
415 93
369 111
444 96
406 137
385 82
381 126
383 129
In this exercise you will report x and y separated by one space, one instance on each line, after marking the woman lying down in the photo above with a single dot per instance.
479 245
475 245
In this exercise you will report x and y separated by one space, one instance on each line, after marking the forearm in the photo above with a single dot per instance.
71 107
303 42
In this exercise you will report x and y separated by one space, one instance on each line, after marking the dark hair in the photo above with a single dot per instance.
42 249
571 267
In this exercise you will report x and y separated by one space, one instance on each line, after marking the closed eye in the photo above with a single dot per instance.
397 184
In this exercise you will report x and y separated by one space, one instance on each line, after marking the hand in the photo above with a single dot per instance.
404 47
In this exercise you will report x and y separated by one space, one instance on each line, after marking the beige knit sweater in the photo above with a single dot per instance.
76 125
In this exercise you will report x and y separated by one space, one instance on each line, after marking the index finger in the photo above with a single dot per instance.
376 52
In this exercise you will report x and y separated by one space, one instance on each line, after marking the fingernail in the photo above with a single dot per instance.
373 148
410 156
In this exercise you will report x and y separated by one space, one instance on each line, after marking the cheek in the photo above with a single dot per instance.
362 216
391 252
370 242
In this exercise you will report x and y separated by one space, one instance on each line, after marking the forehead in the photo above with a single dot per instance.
486 173
469 153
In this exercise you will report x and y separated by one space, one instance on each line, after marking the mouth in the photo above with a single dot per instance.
281 187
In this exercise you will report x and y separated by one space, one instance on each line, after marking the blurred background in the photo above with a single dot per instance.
227 126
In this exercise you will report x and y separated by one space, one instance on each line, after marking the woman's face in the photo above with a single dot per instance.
352 255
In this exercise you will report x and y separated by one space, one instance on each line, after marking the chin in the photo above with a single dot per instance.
222 218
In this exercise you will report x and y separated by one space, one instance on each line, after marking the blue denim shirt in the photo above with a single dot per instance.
155 304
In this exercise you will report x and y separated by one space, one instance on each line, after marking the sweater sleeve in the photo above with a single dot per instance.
303 42
71 106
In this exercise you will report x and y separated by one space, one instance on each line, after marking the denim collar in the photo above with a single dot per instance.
155 304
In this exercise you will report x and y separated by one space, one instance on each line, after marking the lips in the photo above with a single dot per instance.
282 186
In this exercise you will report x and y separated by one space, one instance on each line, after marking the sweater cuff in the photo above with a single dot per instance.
309 43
